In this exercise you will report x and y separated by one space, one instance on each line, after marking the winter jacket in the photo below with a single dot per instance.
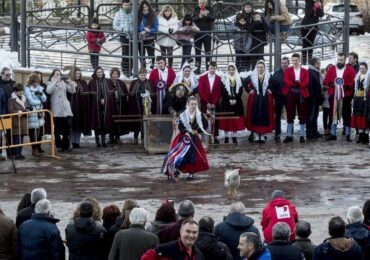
171 232
211 248
231 228
284 250
290 82
306 247
122 22
94 41
39 238
85 240
361 235
155 226
174 250
60 105
132 243
262 254
23 215
8 233
187 32
7 86
341 248
153 28
278 210
259 30
206 22
15 104
242 41
277 83
35 98
164 26
315 85
3 102
283 18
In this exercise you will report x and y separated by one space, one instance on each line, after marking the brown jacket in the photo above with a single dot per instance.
284 17
8 233
19 124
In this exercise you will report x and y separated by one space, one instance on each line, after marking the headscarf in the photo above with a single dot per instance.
365 81
180 77
255 80
185 117
226 80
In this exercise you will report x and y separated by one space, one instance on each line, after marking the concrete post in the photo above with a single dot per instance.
135 39
92 10
346 27
13 27
23 33
277 48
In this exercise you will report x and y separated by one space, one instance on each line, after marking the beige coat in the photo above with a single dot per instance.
284 17
19 124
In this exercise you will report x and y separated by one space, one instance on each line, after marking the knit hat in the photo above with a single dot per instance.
277 193
86 210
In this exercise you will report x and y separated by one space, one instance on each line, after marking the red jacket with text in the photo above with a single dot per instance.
348 80
289 81
278 210
206 96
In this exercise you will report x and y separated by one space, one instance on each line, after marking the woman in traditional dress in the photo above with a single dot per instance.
232 91
359 103
260 109
186 153
187 77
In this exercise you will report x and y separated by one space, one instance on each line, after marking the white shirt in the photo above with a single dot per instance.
340 72
211 80
297 73
163 75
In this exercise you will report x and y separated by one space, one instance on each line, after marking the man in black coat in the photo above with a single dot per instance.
315 98
302 232
277 83
353 61
280 247
208 243
338 247
235 224
26 213
85 239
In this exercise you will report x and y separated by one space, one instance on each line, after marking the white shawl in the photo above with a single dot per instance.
226 80
185 120
254 78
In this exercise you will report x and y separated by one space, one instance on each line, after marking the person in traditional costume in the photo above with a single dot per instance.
161 78
231 101
140 90
176 100
186 153
296 84
359 103
121 94
260 106
187 77
102 102
367 108
340 81
80 104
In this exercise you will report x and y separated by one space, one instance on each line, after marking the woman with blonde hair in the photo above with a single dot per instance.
167 26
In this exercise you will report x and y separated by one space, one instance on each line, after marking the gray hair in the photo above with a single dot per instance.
38 194
138 216
354 214
43 207
281 231
237 207
252 238
186 209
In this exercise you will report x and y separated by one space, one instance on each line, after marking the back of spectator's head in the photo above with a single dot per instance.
237 207
354 214
25 202
303 229
337 227
128 206
43 206
277 194
206 224
110 213
186 209
138 216
38 194
86 210
166 213
281 231
97 214
314 60
366 212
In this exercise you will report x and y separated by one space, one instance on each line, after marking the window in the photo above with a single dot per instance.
340 9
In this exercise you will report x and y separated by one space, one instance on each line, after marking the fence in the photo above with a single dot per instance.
20 121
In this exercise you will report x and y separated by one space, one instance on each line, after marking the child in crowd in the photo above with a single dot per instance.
94 42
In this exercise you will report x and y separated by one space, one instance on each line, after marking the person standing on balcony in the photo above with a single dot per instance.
148 27
94 42
259 30
284 19
122 23
203 17
167 26
312 13
187 29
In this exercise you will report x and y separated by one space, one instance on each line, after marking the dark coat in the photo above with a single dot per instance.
7 86
277 83
361 235
211 248
315 86
171 232
311 15
306 247
132 243
338 249
121 95
259 30
172 103
23 215
8 234
205 23
284 250
39 238
225 106
19 126
85 240
231 228
3 102
80 104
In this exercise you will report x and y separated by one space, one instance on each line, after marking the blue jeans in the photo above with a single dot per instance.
283 28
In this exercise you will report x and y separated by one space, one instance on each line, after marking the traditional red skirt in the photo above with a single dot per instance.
232 125
260 114
359 122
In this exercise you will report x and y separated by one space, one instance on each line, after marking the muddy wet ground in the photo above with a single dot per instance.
322 179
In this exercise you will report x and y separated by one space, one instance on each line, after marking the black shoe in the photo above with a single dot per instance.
348 138
318 135
111 142
288 139
277 138
251 138
235 141
360 138
97 141
226 140
103 143
331 138
365 139
260 141
216 141
20 157
76 146
302 140
40 149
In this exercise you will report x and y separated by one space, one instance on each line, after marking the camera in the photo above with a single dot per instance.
38 93
64 78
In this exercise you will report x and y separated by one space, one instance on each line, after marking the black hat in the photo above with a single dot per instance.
86 209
